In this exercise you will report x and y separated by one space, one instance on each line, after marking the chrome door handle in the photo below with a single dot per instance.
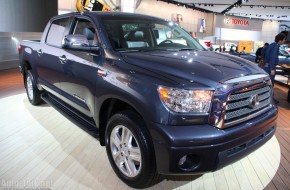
102 73
62 58
39 52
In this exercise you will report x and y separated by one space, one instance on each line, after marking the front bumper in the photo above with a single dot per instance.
209 148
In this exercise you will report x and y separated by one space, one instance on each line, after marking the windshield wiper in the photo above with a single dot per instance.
187 49
129 50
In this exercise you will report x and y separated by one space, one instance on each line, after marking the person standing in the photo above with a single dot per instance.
262 56
271 57
244 50
258 54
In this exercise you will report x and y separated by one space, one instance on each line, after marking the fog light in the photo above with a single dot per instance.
182 160
189 162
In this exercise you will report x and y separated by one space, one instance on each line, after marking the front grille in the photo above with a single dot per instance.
243 106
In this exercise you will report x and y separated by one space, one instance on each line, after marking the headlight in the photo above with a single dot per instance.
183 101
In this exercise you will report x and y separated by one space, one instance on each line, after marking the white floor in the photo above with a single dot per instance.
39 148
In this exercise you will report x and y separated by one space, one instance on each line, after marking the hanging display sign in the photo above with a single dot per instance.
236 21
91 5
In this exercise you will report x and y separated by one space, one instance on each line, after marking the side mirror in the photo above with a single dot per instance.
76 42
80 42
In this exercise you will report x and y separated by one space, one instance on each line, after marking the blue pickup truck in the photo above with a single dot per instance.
160 107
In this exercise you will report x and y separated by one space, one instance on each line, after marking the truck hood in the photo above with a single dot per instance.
203 67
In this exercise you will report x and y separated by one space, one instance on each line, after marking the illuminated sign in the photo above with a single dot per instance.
235 21
91 5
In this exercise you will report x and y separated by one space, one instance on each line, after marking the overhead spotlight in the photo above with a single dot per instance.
282 7
251 6
264 7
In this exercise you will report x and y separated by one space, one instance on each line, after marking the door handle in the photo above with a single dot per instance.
102 73
39 52
62 58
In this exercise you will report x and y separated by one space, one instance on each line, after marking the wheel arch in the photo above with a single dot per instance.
110 107
25 66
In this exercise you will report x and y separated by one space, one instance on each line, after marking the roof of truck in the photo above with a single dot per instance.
107 13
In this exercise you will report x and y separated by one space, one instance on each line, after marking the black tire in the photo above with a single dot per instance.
143 173
33 94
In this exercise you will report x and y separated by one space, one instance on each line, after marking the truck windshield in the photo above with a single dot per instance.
128 34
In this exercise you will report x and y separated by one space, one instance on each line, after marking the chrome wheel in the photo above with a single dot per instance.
29 87
125 151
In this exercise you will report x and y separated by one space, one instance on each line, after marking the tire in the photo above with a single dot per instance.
33 94
126 132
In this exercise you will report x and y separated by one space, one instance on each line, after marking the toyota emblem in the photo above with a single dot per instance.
254 101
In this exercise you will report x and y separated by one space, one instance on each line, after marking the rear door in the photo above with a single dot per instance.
49 64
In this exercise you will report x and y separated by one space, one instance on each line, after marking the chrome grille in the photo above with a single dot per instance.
242 106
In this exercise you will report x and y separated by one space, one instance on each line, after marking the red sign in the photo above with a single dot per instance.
240 22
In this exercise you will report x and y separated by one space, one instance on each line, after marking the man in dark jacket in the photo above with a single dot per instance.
259 52
263 53
271 57
261 58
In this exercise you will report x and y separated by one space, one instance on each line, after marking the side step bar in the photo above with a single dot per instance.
84 122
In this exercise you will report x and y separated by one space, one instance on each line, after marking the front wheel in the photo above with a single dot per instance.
32 91
130 150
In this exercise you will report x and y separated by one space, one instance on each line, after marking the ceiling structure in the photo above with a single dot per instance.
260 9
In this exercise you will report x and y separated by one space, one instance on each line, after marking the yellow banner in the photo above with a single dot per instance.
91 5
246 46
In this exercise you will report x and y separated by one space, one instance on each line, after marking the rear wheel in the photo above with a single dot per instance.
32 91
130 150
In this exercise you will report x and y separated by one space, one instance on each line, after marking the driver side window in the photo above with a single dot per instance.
86 28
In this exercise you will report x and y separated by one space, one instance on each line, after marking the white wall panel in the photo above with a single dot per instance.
269 30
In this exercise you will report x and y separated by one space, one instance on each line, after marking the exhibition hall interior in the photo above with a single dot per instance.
145 94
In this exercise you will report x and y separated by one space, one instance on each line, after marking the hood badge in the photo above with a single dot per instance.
253 101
